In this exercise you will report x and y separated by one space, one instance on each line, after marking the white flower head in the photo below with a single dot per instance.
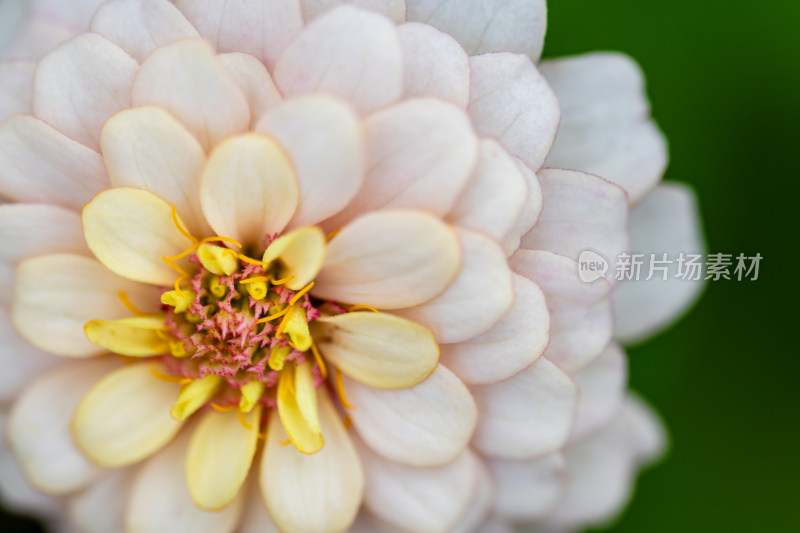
284 265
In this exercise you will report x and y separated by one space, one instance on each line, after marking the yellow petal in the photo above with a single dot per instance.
219 457
297 408
194 396
125 417
378 349
297 328
130 230
299 254
251 393
139 336
217 259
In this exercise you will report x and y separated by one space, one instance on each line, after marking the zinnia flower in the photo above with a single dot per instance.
285 218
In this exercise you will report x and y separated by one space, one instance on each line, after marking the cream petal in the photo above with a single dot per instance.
526 416
149 149
429 424
580 211
377 349
100 507
434 64
495 195
28 229
160 501
16 87
199 91
479 296
39 427
137 336
481 505
487 26
511 101
39 164
219 457
389 259
667 221
420 154
605 126
420 499
319 492
57 294
126 417
510 346
580 313
20 361
324 140
348 52
528 490
130 231
82 83
602 385
248 189
395 10
531 210
141 26
255 82
260 29
256 518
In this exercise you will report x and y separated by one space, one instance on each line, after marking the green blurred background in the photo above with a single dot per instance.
724 80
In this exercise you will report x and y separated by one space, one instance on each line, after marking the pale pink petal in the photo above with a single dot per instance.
428 424
526 416
27 230
495 195
434 64
255 82
531 210
349 52
256 517
528 490
483 283
77 13
35 37
56 295
261 29
82 83
420 155
141 26
580 212
149 149
100 507
647 430
487 26
602 385
199 90
420 499
312 493
20 361
395 10
606 127
39 164
389 259
39 427
324 140
160 502
667 221
482 503
16 87
512 344
248 189
580 313
511 101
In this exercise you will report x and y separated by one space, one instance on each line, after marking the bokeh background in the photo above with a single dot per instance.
724 80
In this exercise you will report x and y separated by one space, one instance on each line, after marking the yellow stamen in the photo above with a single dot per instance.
323 368
281 281
222 239
284 321
250 260
362 308
286 442
180 227
332 234
166 377
340 390
254 279
222 409
123 297
242 420
274 316
347 422
300 294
